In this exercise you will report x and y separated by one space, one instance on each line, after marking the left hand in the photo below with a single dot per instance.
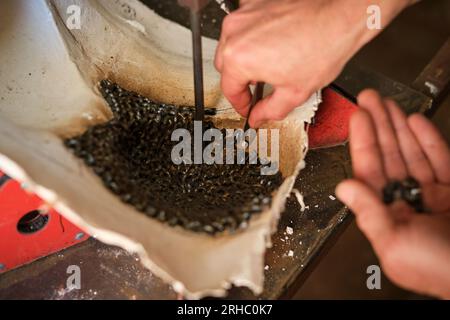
414 249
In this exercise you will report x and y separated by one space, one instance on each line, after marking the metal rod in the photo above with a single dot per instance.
198 64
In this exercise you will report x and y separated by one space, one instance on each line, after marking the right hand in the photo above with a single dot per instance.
297 46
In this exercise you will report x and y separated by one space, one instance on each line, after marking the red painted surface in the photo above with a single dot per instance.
16 248
331 120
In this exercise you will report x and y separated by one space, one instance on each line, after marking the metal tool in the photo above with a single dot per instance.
195 7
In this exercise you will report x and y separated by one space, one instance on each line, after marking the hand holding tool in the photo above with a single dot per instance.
257 96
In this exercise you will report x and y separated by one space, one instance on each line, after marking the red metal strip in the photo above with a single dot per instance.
19 248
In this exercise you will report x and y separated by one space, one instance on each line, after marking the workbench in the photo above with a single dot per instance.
109 272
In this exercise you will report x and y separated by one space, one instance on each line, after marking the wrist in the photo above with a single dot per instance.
355 15
388 11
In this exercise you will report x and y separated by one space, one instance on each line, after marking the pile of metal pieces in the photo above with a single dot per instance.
132 155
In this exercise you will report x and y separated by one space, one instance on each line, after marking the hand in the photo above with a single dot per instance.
414 249
297 46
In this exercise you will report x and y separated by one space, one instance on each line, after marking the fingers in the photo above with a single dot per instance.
232 29
394 165
231 62
276 106
218 59
382 134
366 156
372 216
416 162
237 91
229 27
433 145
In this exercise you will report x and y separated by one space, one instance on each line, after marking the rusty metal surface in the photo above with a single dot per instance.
355 78
106 273
434 81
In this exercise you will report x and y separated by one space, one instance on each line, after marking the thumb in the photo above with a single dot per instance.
372 216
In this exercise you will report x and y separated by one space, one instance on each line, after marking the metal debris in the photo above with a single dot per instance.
289 230
300 199
132 155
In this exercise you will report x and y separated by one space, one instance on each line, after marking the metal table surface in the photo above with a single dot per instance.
109 272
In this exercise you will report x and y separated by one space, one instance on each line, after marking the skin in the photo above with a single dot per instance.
297 46
300 46
413 249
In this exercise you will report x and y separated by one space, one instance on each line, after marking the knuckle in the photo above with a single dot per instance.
300 95
230 51
228 24
293 99
235 55
278 114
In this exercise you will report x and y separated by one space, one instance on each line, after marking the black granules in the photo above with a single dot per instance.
132 155
408 190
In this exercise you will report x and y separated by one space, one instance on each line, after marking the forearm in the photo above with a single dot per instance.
356 14
389 9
